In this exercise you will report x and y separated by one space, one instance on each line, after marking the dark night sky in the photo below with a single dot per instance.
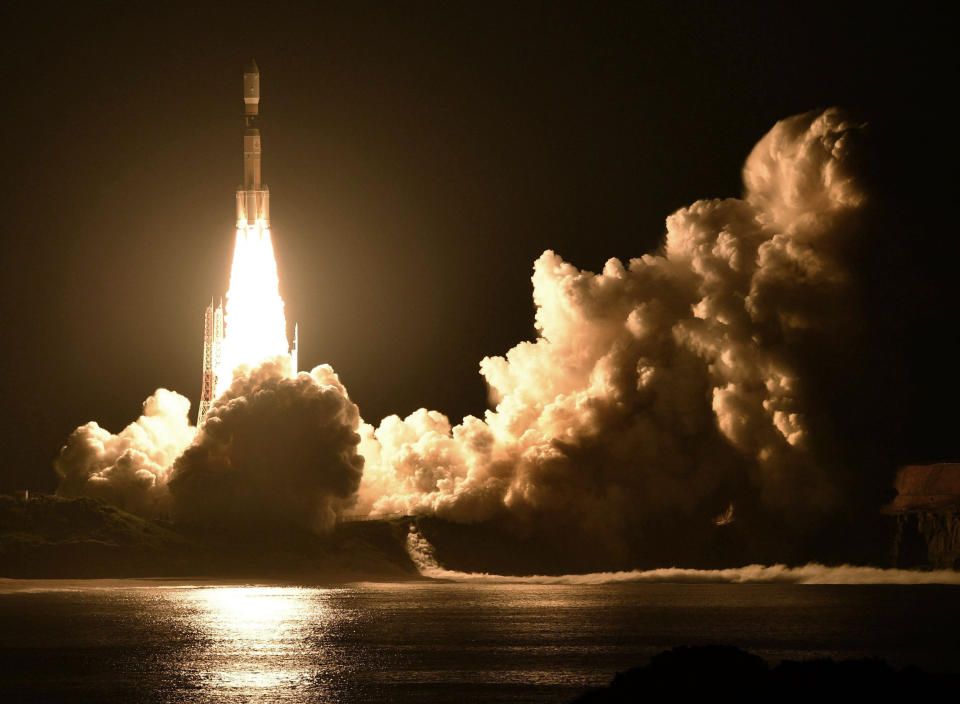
419 160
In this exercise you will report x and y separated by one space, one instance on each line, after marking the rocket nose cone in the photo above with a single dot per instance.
251 67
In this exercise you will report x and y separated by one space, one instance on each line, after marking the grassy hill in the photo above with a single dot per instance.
56 537
52 536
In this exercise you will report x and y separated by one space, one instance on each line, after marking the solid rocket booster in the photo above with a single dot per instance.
253 198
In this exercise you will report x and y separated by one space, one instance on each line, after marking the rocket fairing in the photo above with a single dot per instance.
253 198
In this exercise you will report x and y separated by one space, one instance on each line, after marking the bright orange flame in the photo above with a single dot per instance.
255 326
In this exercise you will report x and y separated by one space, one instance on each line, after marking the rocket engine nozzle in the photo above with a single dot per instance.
252 206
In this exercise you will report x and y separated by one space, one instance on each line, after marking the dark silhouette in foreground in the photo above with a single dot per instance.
728 672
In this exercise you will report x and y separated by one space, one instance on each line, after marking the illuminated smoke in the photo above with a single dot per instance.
421 553
129 469
658 393
661 390
256 329
132 469
274 451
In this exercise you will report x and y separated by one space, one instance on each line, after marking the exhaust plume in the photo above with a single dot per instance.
130 469
256 328
422 554
660 391
274 450
700 381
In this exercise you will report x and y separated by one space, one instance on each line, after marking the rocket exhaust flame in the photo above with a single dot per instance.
255 329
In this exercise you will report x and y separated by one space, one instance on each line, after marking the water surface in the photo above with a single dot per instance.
157 641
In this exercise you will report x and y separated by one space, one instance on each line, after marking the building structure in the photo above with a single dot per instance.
927 509
212 356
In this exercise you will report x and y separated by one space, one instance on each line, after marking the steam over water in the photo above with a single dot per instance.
429 641
422 554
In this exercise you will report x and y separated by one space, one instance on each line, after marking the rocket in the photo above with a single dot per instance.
253 198
253 219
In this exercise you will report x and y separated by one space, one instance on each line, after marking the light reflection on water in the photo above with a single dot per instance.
144 641
258 638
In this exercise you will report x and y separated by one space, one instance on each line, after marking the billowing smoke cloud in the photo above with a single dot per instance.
658 394
130 469
660 391
273 450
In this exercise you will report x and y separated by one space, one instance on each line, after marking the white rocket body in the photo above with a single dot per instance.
253 198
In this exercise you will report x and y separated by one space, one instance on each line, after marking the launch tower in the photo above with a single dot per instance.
212 356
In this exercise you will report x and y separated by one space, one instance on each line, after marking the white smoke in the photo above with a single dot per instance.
129 469
657 393
274 449
422 555
670 385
